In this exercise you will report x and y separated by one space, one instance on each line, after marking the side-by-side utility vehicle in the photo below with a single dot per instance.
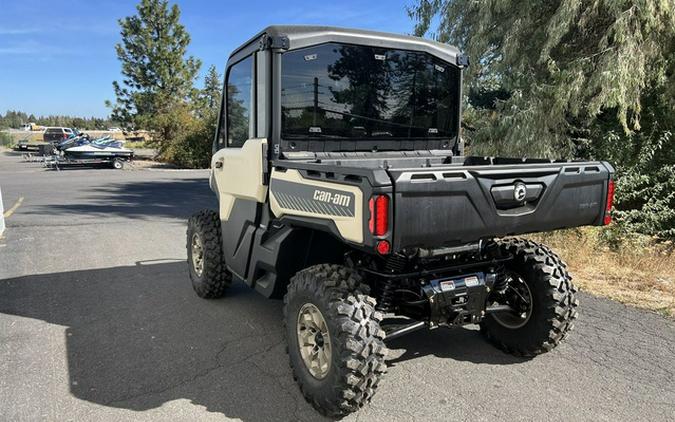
343 188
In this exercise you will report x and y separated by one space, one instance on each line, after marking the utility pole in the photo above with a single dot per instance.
316 99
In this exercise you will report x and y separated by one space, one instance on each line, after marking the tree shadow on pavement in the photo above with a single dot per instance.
138 199
138 337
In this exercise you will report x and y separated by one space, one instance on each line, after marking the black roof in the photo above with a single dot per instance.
300 36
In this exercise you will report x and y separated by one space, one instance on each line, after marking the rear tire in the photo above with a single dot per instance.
117 164
207 269
355 349
554 304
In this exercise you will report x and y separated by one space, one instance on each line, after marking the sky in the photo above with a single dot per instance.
58 57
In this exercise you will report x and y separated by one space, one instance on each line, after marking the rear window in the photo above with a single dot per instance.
55 130
368 95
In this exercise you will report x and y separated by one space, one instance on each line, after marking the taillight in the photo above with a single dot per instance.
383 247
379 215
609 202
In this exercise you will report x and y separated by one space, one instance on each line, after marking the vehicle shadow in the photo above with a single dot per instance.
138 337
462 344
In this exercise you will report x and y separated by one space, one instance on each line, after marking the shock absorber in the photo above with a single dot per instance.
394 264
491 249
501 281
385 300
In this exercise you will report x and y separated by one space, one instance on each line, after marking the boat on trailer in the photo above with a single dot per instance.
111 149
104 151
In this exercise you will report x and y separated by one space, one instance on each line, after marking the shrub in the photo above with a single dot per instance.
193 149
5 139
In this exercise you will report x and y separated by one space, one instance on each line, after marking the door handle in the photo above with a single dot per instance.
219 164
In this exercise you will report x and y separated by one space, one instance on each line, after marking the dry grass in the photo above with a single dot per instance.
637 275
136 144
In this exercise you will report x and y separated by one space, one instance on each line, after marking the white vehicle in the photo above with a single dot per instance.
29 127
114 129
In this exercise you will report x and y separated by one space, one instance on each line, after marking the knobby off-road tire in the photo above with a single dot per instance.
554 305
209 276
357 349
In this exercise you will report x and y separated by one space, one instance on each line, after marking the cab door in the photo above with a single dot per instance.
237 174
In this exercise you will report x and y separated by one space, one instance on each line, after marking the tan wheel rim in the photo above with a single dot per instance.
314 341
197 254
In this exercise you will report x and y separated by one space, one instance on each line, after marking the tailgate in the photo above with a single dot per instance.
460 204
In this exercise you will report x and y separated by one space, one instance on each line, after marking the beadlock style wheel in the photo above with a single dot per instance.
208 272
314 341
335 344
197 254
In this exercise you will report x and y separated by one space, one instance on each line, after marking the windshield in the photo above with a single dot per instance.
358 93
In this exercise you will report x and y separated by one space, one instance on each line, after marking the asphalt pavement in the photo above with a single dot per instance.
98 322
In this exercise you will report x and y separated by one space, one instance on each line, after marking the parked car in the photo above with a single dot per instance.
28 127
23 144
55 134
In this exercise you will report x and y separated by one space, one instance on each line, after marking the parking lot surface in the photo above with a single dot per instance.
98 321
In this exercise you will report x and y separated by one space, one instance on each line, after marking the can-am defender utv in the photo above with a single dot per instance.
339 169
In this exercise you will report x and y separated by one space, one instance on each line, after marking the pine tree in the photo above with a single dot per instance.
212 88
158 76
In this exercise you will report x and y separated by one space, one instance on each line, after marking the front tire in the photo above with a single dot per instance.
207 269
327 312
540 273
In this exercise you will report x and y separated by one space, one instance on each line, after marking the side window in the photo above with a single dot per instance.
239 107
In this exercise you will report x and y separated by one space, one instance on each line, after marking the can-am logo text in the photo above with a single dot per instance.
332 198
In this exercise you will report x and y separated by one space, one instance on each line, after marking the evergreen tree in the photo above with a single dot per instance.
212 88
158 77
14 119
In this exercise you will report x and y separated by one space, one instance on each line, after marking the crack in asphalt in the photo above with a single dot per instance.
201 374
277 377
